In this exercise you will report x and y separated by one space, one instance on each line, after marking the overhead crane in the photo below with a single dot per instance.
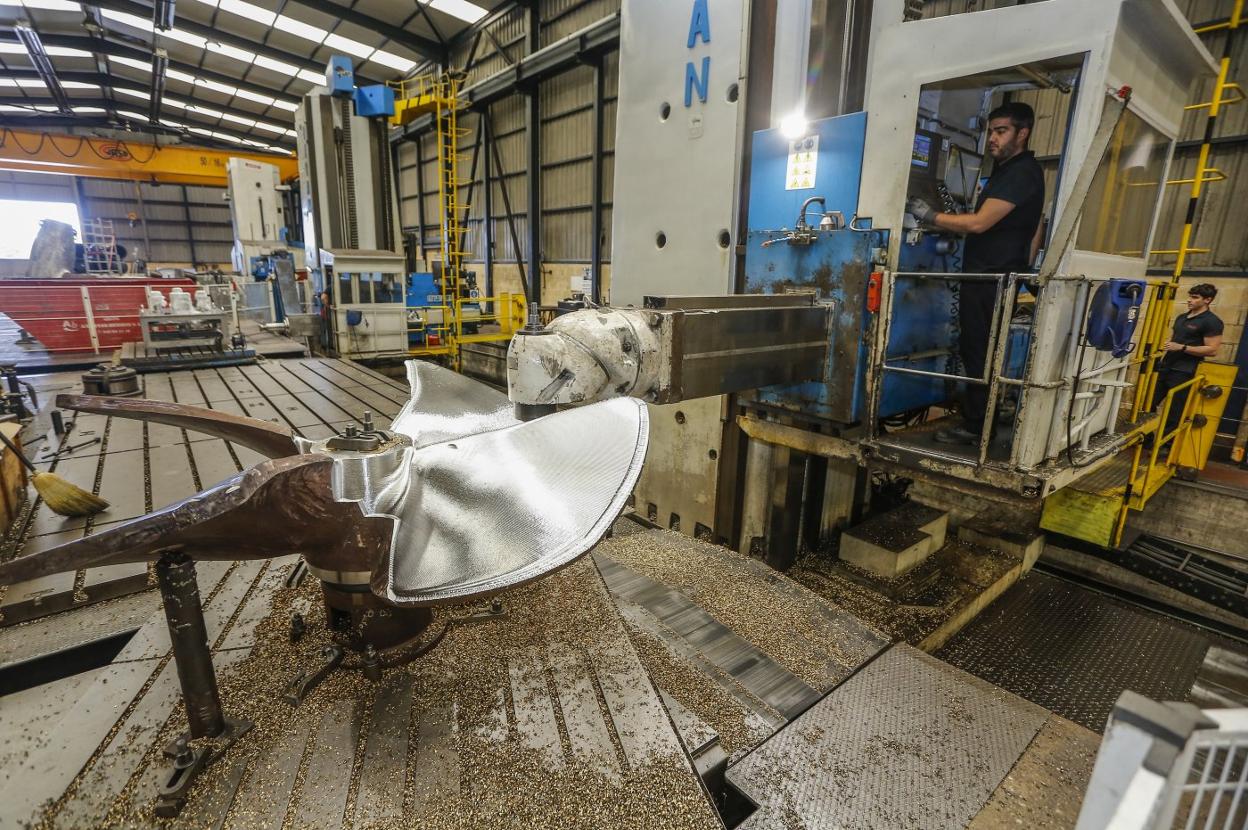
109 158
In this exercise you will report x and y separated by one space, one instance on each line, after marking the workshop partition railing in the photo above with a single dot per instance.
993 376
1169 765
1089 396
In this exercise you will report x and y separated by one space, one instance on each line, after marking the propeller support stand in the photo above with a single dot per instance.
184 613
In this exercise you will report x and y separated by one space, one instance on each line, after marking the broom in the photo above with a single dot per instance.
57 493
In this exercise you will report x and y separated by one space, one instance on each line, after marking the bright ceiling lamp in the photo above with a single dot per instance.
462 9
280 67
250 11
351 47
298 28
793 125
392 61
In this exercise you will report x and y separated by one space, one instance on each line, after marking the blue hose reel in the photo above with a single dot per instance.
1113 315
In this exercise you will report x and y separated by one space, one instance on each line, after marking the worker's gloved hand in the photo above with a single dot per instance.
923 213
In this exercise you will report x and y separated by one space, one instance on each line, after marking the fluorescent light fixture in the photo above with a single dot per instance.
351 47
186 37
88 110
794 125
298 28
280 67
248 10
311 77
273 128
392 60
224 89
462 9
281 105
241 55
238 119
248 95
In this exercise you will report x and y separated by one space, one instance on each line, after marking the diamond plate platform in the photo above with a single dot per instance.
908 741
1074 651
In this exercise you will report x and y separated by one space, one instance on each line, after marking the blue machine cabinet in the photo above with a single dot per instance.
837 264
826 162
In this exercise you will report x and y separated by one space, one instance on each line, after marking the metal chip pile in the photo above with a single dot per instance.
501 730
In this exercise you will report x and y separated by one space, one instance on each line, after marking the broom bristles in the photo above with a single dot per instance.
65 498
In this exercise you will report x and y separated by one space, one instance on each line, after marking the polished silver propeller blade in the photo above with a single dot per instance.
445 405
494 510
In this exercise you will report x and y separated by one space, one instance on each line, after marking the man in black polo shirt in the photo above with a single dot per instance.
1197 334
1001 237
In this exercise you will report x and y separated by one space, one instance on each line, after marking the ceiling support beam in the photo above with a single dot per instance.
115 83
422 46
163 15
212 35
43 64
121 50
160 63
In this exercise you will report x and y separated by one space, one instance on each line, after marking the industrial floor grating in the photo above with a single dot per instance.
1075 651
908 741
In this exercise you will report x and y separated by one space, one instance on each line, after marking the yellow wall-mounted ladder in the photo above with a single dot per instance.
442 322
1096 508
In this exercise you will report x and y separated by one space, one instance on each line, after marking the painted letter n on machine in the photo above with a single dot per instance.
697 79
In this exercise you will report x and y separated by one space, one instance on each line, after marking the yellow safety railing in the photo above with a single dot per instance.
502 315
1149 472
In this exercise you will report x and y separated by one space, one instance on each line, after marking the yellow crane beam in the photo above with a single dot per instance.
104 158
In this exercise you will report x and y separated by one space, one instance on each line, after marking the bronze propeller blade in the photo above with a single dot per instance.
265 437
276 507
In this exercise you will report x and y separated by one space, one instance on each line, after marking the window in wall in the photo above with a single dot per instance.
19 223
1119 212
389 289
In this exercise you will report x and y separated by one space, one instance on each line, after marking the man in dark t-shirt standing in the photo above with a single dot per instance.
1197 334
1001 237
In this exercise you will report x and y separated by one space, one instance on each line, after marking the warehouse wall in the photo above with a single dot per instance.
176 226
566 104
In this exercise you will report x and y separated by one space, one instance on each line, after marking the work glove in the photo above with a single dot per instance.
923 213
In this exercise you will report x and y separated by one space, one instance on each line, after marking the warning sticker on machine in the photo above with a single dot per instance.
803 157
